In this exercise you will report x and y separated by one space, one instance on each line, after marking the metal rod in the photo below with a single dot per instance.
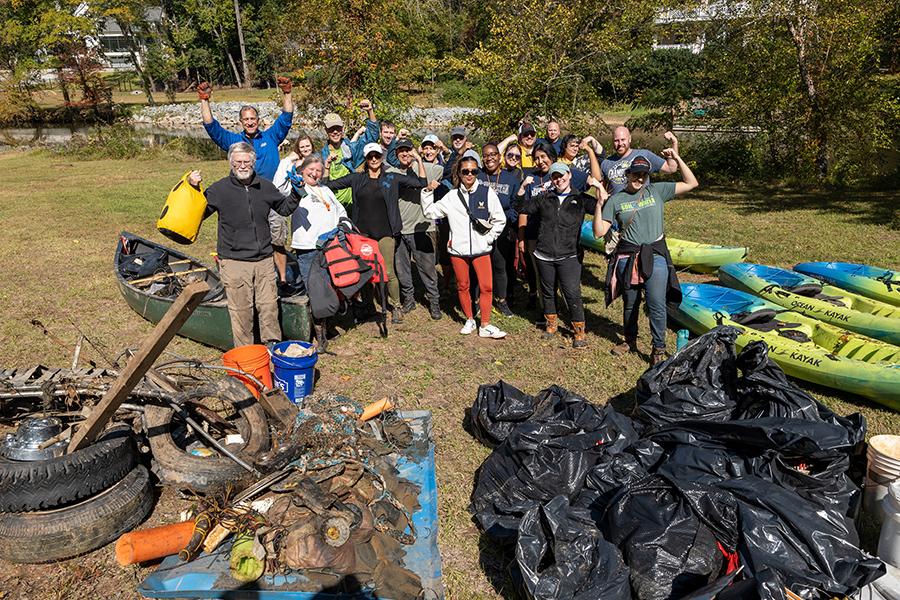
210 439
77 352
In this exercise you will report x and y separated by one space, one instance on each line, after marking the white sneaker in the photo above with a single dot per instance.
469 327
491 331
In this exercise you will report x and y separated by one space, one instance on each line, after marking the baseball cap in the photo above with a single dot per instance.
430 139
639 165
526 128
333 120
372 147
459 130
559 167
404 143
473 155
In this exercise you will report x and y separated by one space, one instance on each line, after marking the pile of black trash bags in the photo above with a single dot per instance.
730 483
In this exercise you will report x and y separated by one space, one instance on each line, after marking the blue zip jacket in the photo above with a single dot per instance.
352 152
265 142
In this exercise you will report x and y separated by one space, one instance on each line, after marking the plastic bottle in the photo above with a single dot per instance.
682 340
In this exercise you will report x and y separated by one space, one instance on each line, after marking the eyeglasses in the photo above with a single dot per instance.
468 171
513 155
487 154
241 163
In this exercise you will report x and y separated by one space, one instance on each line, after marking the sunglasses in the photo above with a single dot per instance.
373 155
335 128
637 175
512 155
468 171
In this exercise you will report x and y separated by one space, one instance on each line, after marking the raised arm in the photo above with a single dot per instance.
340 183
501 147
592 156
671 164
287 102
690 181
430 208
204 91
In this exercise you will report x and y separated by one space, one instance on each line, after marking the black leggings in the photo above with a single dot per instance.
502 263
567 273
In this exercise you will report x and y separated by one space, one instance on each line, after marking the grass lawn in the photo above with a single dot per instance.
60 219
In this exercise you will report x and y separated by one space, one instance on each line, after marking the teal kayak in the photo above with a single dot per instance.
872 282
702 258
811 297
804 347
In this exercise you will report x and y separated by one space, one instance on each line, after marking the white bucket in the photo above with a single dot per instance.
889 541
883 469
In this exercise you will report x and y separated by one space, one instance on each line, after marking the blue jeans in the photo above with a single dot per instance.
655 289
304 261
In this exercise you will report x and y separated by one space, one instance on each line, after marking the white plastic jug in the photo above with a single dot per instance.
889 542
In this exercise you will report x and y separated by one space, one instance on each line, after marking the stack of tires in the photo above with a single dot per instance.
61 507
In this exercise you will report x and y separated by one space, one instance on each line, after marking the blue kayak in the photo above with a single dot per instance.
872 282
804 347
813 298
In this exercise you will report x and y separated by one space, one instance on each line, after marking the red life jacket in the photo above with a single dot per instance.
367 249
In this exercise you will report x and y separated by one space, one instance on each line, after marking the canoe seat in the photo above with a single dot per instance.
834 300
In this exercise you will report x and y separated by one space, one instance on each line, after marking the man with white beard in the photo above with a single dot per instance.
244 243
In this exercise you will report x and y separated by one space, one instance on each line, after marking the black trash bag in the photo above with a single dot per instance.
809 548
541 460
820 479
764 390
614 471
696 383
500 408
562 556
676 537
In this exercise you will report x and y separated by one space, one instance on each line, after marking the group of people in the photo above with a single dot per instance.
514 207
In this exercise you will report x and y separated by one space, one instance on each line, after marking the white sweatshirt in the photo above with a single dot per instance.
319 212
464 240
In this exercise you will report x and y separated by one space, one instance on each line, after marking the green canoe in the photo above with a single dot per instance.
701 258
209 323
804 347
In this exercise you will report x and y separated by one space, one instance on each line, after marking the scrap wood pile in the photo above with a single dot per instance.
730 482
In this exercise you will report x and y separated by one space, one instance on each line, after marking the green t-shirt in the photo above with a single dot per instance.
336 170
639 215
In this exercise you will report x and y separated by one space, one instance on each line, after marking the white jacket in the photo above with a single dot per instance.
281 174
464 240
318 212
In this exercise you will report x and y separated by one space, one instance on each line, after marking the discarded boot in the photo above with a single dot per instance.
580 340
550 328
629 345
657 356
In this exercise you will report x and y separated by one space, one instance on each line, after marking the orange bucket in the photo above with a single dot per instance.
253 359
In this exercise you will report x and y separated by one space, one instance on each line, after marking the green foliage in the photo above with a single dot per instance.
801 70
455 92
121 141
545 57
727 158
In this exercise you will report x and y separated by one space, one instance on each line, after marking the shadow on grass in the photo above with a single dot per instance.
870 207
498 563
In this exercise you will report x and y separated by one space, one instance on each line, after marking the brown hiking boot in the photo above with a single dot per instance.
657 356
580 340
629 345
550 328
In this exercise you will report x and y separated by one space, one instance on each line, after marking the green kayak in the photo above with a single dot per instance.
811 297
701 258
804 347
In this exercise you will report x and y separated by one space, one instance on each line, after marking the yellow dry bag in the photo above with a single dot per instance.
181 216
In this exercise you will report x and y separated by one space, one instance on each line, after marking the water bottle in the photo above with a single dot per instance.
682 339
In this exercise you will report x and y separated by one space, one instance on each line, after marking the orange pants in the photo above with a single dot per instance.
482 266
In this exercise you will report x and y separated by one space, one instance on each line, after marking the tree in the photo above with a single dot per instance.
800 70
546 57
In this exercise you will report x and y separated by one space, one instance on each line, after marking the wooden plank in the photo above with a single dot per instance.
137 366
279 406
